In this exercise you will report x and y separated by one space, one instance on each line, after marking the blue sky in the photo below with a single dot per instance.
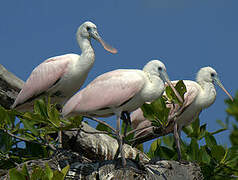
186 35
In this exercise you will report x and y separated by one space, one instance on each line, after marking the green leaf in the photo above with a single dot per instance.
188 130
6 142
203 155
54 117
3 115
168 141
194 149
202 131
10 118
232 107
16 175
157 112
140 147
196 128
35 150
34 118
154 145
65 171
234 136
137 158
225 156
40 108
218 152
38 173
30 126
25 171
58 176
74 121
210 140
48 171
181 89
232 155
166 153
218 131
153 148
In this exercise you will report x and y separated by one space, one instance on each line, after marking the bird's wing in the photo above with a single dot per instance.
137 116
189 97
110 90
139 121
44 76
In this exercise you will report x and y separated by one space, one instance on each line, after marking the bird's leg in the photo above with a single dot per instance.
60 139
59 108
177 139
125 116
119 140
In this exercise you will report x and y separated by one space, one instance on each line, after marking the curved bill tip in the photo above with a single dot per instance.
107 46
222 87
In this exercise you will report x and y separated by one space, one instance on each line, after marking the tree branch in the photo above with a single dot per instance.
27 140
102 122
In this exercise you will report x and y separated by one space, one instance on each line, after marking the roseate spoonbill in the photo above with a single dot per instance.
119 91
199 95
61 76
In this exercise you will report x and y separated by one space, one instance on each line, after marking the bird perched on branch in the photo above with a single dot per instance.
118 92
61 77
200 95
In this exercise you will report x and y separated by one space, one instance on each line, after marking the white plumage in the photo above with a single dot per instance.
119 91
61 76
199 95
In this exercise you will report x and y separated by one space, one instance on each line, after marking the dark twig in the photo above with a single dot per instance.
98 132
139 129
24 139
102 122
149 136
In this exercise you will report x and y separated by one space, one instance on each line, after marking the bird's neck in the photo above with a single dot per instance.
208 94
86 48
155 87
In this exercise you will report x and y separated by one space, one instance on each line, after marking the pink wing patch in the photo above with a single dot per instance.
189 97
42 78
108 90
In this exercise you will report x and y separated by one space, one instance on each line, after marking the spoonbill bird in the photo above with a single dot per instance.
119 91
62 76
199 95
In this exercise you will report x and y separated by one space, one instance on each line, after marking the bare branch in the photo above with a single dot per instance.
98 132
27 140
102 122
139 129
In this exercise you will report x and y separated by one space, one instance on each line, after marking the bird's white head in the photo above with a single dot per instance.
157 68
88 30
154 67
206 74
85 29
209 75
